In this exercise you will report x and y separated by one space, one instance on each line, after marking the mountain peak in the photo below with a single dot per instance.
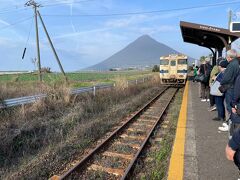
145 37
144 51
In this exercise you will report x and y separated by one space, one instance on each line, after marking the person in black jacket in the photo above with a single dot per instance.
235 117
233 145
228 80
236 94
233 149
205 69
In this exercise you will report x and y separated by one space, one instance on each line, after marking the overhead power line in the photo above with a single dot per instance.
15 23
13 10
146 12
17 8
65 3
29 32
11 7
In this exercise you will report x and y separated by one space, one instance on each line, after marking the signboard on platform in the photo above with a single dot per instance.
209 28
235 27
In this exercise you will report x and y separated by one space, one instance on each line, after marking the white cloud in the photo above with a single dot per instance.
124 22
4 22
80 33
157 29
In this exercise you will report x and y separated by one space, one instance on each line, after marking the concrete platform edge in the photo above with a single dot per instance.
190 154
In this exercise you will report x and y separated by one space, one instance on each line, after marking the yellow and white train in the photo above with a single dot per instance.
173 69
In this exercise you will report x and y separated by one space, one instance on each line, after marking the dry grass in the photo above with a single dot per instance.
121 83
11 89
36 139
18 89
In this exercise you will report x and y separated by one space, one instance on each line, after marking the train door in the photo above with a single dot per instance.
173 69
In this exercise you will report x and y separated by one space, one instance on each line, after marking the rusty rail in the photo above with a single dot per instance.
83 162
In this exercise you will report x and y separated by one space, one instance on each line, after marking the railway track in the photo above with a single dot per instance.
115 157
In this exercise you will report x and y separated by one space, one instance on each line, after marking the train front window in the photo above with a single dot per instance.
164 62
173 63
182 61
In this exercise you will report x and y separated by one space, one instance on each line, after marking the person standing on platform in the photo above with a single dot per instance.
213 75
205 69
235 116
233 148
219 100
228 80
194 72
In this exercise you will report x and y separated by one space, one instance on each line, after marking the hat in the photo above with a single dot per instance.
207 59
219 59
223 63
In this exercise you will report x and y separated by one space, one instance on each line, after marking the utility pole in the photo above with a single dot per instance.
51 44
37 14
229 27
35 6
229 19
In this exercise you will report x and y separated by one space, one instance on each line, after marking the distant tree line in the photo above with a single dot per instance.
112 69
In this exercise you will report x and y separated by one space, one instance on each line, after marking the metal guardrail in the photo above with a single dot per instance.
31 99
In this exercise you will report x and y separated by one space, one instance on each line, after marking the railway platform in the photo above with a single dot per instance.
199 148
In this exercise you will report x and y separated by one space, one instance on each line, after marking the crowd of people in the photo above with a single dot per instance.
220 86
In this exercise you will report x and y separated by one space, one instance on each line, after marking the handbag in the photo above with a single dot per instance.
238 109
200 78
203 77
214 89
224 88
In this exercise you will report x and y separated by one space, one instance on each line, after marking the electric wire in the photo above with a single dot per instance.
15 23
66 3
145 12
11 8
14 10
29 32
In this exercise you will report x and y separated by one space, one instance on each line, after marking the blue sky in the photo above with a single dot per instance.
84 41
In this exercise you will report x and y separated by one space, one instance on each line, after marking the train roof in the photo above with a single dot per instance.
179 56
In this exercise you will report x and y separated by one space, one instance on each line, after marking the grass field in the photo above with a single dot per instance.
81 76
16 85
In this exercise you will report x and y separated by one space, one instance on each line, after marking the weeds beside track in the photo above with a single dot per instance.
42 138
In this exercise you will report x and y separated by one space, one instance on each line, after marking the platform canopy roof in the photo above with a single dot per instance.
207 36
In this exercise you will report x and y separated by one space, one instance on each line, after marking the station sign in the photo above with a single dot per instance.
209 28
235 27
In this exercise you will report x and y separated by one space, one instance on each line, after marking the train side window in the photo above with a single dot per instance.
164 62
173 63
182 61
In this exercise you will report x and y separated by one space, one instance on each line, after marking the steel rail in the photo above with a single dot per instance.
113 134
133 161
